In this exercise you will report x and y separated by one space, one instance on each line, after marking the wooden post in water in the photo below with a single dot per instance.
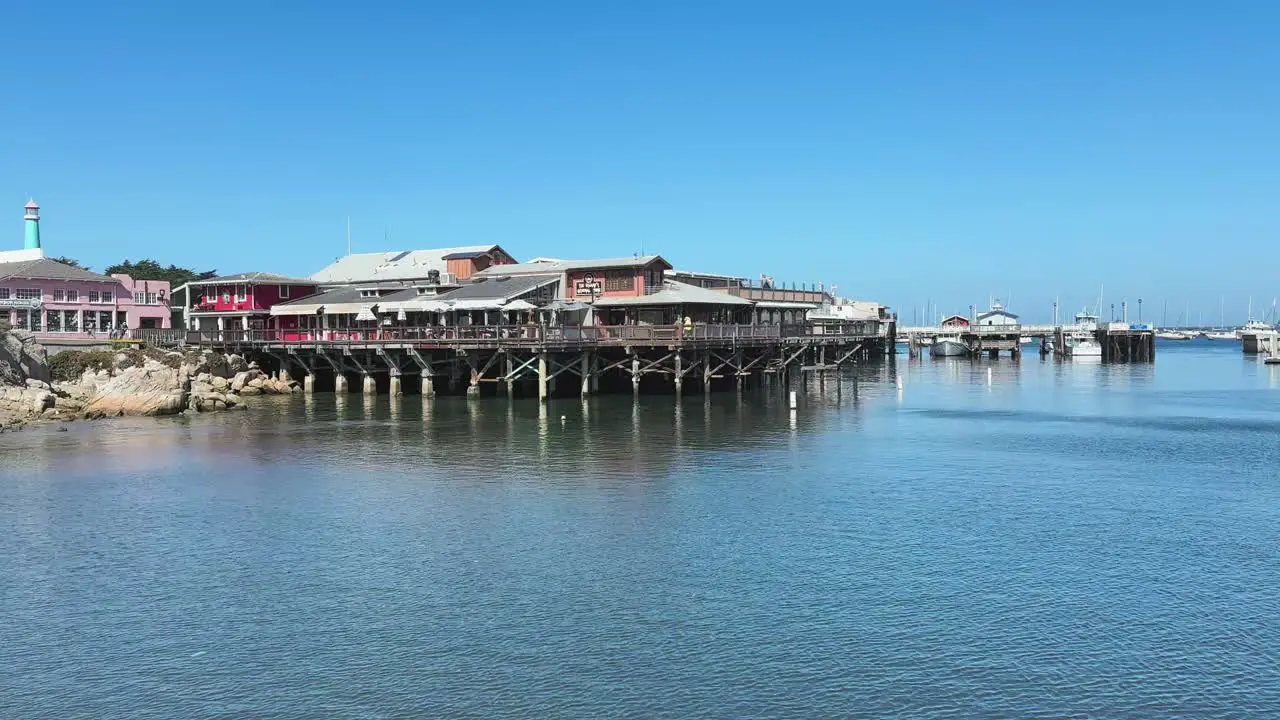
635 374
584 371
737 366
706 372
679 374
542 376
507 370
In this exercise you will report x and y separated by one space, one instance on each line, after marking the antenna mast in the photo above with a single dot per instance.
348 234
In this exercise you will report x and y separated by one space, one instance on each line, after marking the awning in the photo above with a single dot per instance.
307 309
519 305
477 304
780 305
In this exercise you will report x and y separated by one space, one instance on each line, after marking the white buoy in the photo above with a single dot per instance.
793 399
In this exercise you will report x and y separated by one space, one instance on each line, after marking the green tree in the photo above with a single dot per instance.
68 261
148 269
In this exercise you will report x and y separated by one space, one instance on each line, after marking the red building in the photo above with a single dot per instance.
240 302
958 322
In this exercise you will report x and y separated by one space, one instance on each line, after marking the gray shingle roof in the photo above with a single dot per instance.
46 269
497 288
676 293
264 277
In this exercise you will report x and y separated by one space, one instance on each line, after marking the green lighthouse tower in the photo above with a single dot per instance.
33 226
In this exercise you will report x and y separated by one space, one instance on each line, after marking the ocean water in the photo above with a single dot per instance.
1041 541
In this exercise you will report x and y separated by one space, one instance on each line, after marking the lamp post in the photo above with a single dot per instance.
1139 309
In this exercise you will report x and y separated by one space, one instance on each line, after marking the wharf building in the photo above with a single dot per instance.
473 319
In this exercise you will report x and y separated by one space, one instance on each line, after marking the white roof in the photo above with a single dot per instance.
398 265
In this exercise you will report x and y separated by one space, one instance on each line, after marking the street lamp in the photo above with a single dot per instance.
1139 309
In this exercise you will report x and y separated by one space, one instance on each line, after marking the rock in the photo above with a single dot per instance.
240 380
220 384
256 383
253 365
236 364
199 387
250 391
151 389
21 357
38 384
203 377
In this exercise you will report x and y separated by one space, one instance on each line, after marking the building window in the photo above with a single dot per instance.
242 293
4 293
53 320
368 293
107 296
138 297
284 291
71 321
59 295
104 319
226 296
73 296
90 322
150 299
27 293
20 319
619 280
94 298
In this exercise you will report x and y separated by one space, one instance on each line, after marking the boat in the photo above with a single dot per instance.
1221 335
1081 343
1172 335
949 347
1249 335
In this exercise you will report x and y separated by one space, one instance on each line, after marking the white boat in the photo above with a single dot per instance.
1249 335
1221 335
1081 343
949 347
1172 335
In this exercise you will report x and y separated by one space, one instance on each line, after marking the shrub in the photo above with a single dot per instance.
69 365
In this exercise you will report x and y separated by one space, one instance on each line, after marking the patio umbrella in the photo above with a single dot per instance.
366 315
519 305
401 316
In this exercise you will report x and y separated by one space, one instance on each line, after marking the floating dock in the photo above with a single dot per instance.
1121 342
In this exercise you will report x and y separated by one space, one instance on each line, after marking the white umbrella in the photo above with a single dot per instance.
366 315
519 305
401 316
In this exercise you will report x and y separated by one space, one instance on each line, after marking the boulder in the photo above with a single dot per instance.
199 387
239 381
149 389
236 364
38 384
247 390
220 384
256 382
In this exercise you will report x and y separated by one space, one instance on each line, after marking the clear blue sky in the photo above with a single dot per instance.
907 151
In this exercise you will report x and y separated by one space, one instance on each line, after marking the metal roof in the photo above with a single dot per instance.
559 266
676 293
46 269
397 265
338 301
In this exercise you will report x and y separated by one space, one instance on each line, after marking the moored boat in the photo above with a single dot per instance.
949 347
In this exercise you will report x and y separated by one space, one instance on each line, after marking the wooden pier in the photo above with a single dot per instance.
546 361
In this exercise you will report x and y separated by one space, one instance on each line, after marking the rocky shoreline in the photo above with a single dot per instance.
119 383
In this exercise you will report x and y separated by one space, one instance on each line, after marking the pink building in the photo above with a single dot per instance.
59 301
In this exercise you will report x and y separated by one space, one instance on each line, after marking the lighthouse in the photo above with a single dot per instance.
32 217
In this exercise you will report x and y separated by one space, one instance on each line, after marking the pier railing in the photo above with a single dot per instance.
523 335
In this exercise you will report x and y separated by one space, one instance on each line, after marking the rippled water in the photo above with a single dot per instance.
1058 541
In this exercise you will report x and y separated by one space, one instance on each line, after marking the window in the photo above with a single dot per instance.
94 297
242 293
284 291
35 321
615 280
226 296
4 293
71 321
53 320
150 299
73 296
90 321
20 319
27 293
367 293
210 295
107 297
59 295
139 297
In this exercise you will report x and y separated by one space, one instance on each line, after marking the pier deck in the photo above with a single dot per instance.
1121 342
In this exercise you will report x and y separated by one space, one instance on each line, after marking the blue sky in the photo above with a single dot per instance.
909 152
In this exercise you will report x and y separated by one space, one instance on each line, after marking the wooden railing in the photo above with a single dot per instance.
165 337
514 335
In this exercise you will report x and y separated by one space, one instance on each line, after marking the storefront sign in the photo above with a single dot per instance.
588 285
33 304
